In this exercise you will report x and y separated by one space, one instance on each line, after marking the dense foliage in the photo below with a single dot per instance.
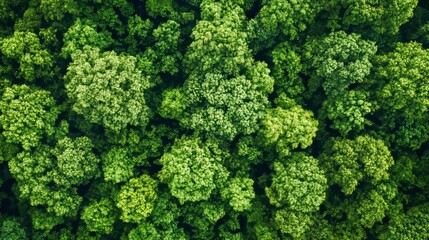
214 119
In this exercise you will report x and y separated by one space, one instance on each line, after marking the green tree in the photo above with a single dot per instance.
107 89
380 17
192 169
338 61
139 34
25 49
225 92
48 177
287 127
7 150
202 217
173 103
281 17
75 161
27 115
163 8
349 112
409 225
233 106
9 11
99 216
167 47
230 228
286 68
165 217
226 50
259 222
360 168
57 9
44 222
83 33
348 162
292 223
403 94
117 165
239 192
297 183
12 230
341 64
145 230
137 198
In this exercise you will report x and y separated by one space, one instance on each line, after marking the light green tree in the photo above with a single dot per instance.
83 33
287 127
27 115
349 162
341 64
107 89
404 93
117 165
239 192
25 49
137 198
99 216
297 183
287 18
192 169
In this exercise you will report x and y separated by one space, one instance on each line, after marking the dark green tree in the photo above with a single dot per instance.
287 18
12 230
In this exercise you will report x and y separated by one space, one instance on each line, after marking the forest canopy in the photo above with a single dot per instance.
214 119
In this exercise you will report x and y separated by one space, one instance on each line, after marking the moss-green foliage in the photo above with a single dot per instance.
409 225
286 68
214 119
225 92
49 176
117 165
76 163
341 64
81 34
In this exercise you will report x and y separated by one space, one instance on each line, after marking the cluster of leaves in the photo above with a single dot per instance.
214 119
